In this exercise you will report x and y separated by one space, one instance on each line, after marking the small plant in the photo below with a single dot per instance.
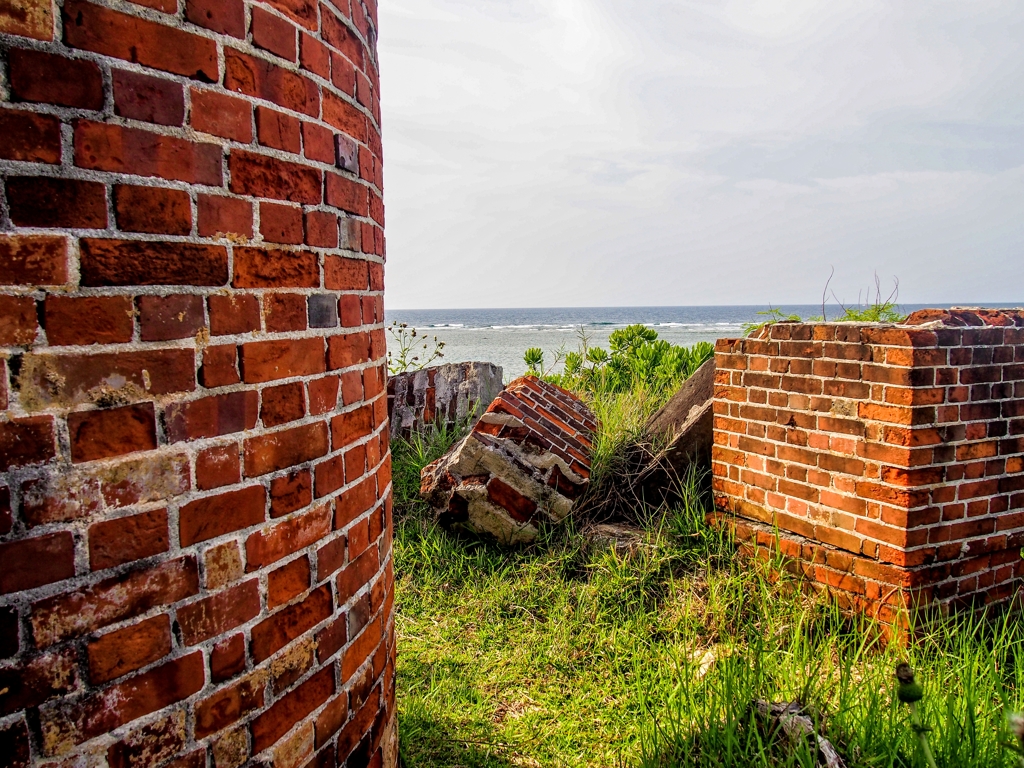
405 354
774 315
910 692
876 310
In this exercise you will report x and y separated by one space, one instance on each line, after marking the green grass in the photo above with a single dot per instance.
565 654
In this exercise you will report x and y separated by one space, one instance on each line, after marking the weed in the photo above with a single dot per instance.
405 355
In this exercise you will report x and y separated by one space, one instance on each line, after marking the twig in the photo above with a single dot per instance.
824 294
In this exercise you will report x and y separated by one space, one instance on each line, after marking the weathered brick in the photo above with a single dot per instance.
133 262
26 441
285 448
147 98
18 322
256 77
272 268
269 360
285 312
290 492
39 201
264 176
107 147
215 516
220 366
125 650
234 314
281 223
275 632
27 18
274 34
102 30
287 582
282 404
271 725
115 599
32 259
30 137
224 16
219 613
164 318
51 79
154 742
229 705
223 564
37 680
217 467
154 210
103 434
36 561
272 544
137 696
221 115
125 539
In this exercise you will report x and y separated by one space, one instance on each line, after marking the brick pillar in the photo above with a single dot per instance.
195 514
886 461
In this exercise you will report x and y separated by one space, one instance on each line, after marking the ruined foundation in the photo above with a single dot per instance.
887 461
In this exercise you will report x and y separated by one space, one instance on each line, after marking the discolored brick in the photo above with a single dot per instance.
40 201
164 318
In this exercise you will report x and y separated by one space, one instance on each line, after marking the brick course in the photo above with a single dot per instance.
169 174
889 458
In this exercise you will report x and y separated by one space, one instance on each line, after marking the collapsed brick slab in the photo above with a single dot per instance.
442 395
527 460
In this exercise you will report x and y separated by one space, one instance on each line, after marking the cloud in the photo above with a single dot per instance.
604 152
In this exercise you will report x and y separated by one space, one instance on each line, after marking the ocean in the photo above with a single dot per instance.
501 336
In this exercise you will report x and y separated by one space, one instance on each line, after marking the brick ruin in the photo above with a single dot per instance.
448 395
887 461
195 513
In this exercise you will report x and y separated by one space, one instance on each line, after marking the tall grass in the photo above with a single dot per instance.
566 653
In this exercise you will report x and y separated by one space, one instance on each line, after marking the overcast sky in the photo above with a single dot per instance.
677 152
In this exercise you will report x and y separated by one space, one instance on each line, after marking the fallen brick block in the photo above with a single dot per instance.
526 461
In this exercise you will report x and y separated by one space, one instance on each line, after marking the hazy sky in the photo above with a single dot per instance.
675 152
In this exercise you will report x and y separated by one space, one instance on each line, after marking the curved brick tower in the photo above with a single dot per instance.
195 547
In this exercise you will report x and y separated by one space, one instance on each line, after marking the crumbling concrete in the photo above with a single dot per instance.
525 462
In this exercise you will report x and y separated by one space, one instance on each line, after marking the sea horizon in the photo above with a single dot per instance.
502 335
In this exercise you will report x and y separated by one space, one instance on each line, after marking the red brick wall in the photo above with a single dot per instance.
195 547
890 458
